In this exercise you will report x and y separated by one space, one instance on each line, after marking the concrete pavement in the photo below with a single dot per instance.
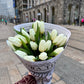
12 70
75 49
70 71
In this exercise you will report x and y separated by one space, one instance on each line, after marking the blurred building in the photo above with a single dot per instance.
21 5
52 11
7 8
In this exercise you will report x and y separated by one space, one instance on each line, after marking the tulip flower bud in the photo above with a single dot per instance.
32 34
53 34
10 45
22 38
25 33
35 25
42 46
29 58
58 50
48 45
64 41
20 53
33 45
15 41
43 56
42 29
58 39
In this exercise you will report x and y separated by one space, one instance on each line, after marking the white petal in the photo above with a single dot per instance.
22 38
64 41
29 58
42 29
33 45
15 41
10 45
59 50
58 39
32 34
43 56
35 25
42 47
48 44
53 34
20 53
25 33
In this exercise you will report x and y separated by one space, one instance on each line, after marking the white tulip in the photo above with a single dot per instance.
15 41
64 41
10 45
25 33
32 34
42 46
53 34
33 45
48 44
22 38
58 39
43 56
42 29
35 25
21 53
58 50
29 58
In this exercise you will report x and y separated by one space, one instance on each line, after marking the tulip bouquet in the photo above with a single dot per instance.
37 45
38 48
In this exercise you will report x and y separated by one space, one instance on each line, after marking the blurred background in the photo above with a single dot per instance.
52 11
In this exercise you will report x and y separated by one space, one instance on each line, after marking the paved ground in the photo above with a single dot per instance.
69 68
75 47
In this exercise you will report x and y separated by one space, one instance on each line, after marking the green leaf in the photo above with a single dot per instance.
16 48
52 54
46 50
32 52
51 48
21 30
50 58
49 38
44 36
37 58
17 32
25 46
24 50
33 25
37 34
27 38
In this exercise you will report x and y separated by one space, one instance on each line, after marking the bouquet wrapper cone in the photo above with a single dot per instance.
42 70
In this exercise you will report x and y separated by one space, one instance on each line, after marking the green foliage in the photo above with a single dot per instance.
17 32
24 50
27 38
48 38
52 54
51 48
50 58
37 34
37 58
33 25
25 47
44 36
